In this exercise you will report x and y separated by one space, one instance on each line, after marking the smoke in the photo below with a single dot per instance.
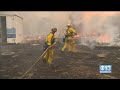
97 27
40 23
93 27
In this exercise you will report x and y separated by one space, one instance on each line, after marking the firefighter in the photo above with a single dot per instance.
69 39
48 58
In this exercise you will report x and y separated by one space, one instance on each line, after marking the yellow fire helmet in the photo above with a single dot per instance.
68 25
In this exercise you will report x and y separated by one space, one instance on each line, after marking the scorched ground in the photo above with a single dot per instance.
83 64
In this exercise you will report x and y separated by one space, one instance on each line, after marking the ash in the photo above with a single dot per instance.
83 64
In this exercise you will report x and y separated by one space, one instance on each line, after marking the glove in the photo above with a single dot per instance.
49 46
75 34
54 43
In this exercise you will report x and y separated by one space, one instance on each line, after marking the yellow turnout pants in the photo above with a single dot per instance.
49 56
69 43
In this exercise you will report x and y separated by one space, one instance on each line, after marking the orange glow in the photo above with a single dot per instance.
100 12
77 36
89 15
105 39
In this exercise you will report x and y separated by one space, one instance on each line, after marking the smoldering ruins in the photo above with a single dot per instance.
97 42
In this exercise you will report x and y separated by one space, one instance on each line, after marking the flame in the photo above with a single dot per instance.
105 39
77 36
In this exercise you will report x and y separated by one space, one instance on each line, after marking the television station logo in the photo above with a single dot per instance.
105 68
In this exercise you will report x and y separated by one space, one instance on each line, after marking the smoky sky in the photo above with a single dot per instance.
40 23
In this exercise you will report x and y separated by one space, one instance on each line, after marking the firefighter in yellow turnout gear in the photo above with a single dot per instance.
49 41
69 39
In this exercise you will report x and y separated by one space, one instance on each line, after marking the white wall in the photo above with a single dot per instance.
9 25
17 23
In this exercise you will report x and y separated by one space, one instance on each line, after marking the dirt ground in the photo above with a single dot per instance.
83 64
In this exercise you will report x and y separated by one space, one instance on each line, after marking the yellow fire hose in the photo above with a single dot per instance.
39 58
